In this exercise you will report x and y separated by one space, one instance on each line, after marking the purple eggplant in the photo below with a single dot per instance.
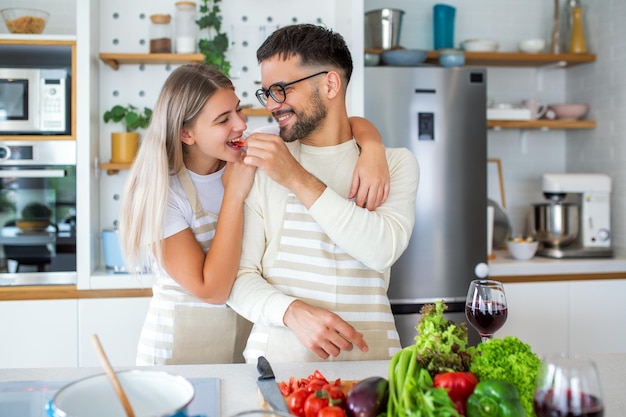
368 398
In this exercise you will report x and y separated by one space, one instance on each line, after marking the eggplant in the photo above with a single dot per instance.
368 398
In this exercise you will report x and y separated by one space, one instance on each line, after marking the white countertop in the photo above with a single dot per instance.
505 265
238 382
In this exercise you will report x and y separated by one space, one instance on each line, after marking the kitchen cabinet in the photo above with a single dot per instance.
597 316
538 315
576 317
40 333
16 50
117 322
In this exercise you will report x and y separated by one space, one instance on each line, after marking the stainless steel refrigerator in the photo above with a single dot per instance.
440 115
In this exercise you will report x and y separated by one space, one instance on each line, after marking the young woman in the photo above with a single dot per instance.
189 169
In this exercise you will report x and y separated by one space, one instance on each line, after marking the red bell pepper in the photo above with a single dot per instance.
460 385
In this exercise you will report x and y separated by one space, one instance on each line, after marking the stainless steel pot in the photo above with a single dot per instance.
555 224
382 28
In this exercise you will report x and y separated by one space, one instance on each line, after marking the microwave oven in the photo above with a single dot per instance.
34 101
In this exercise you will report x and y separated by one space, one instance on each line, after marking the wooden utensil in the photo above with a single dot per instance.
112 377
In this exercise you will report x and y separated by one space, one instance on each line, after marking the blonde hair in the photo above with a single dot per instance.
160 155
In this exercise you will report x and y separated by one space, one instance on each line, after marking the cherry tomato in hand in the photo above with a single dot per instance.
297 400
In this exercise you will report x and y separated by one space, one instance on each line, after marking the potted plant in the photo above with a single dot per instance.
124 145
215 44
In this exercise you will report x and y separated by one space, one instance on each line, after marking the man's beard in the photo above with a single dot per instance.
306 123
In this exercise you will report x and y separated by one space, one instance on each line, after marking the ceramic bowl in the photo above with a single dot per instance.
569 111
24 20
522 250
371 59
531 46
151 394
451 57
403 57
480 45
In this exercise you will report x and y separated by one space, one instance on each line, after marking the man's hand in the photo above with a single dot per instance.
269 153
321 331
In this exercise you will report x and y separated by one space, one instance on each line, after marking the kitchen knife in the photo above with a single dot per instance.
268 386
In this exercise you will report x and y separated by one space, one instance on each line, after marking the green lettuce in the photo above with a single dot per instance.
441 344
508 359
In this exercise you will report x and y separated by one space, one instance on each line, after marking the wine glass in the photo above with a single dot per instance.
568 386
485 307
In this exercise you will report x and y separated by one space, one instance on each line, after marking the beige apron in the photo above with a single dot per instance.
311 267
182 329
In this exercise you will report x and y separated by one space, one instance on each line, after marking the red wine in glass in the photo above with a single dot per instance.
486 307
587 405
486 318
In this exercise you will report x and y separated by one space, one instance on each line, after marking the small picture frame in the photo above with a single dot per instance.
495 183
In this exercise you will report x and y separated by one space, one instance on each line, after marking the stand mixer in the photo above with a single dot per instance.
575 222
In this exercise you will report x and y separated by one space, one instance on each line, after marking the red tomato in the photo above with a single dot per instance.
317 375
338 397
314 403
284 388
332 411
315 385
296 401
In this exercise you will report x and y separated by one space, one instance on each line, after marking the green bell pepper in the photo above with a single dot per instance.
494 398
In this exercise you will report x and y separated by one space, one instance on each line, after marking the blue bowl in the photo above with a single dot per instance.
451 57
403 57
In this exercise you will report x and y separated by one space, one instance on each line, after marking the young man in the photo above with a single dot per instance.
314 269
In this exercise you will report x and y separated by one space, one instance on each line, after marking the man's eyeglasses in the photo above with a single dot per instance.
277 91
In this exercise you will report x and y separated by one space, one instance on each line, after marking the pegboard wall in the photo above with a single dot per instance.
124 28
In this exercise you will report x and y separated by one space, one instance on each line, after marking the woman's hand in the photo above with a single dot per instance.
237 179
370 181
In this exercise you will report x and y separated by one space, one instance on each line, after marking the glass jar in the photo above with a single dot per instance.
185 27
160 34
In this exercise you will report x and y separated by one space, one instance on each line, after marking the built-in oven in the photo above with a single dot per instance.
37 212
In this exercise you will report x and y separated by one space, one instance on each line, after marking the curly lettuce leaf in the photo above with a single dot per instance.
508 359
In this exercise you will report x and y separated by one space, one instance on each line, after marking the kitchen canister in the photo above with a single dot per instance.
150 393
160 34
443 24
113 259
185 27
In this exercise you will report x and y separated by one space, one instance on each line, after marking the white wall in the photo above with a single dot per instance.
603 86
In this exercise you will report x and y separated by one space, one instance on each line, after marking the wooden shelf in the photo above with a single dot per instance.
541 124
115 60
113 168
513 59
256 112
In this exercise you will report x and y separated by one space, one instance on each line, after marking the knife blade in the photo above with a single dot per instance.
268 386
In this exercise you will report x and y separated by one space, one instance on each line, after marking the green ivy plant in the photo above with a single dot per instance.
130 116
214 46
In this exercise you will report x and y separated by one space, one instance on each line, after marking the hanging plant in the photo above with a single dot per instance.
215 44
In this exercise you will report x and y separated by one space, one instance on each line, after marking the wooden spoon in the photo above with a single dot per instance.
113 377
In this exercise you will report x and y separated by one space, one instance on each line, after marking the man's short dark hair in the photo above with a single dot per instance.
315 45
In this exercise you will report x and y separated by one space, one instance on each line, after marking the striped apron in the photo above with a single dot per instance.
312 268
182 329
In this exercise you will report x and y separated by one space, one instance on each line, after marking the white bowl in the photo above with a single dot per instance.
480 45
569 111
371 59
150 393
522 250
532 46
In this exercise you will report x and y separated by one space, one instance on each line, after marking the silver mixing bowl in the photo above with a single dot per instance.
555 224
